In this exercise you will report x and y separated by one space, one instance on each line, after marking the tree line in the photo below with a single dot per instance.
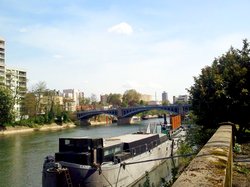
40 105
33 107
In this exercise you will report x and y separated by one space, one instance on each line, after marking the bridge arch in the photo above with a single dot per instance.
85 115
133 111
126 113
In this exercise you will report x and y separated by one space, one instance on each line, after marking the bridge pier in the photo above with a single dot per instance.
85 122
124 121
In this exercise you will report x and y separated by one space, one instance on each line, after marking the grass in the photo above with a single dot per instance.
242 169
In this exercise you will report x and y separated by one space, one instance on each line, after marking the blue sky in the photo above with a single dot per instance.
107 46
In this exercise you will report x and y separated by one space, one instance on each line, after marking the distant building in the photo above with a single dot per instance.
2 62
46 101
146 98
72 99
180 99
164 97
154 103
104 99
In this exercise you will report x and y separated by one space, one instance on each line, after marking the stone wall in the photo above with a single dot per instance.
213 164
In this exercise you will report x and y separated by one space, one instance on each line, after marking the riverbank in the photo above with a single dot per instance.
24 129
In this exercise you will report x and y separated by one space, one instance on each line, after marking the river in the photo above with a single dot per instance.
22 155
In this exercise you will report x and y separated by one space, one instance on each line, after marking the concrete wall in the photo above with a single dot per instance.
213 164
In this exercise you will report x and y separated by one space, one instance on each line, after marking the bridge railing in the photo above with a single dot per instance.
213 164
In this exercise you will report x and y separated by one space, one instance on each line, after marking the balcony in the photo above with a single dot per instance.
22 74
22 79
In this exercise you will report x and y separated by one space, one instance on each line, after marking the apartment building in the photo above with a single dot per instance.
53 98
72 99
14 78
180 99
2 61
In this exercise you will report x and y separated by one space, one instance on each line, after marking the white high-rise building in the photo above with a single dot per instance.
164 97
13 78
2 61
16 80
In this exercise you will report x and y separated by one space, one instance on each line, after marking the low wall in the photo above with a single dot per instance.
213 164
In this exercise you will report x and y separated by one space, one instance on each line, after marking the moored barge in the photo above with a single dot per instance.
101 162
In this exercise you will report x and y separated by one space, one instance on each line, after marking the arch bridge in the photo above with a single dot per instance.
124 115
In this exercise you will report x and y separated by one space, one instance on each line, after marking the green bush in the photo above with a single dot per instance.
237 148
40 120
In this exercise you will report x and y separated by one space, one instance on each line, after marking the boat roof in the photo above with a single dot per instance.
127 138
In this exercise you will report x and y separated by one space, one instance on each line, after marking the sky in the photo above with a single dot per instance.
108 46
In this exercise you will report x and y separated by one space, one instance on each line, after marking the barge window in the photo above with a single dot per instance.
107 152
67 142
117 149
113 150
133 151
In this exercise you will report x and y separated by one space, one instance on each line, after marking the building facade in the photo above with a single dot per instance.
104 99
13 78
146 97
54 98
2 61
72 99
180 99
164 97
16 80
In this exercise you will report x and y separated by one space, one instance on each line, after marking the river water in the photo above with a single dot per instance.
22 155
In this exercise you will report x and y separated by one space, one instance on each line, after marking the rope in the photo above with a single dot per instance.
150 160
106 179
118 177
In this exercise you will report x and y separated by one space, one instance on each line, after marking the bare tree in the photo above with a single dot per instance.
38 90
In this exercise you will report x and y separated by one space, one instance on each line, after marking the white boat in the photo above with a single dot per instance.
135 119
116 161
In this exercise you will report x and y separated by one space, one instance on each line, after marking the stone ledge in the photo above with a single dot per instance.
213 164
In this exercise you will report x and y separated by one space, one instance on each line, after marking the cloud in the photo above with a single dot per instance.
121 28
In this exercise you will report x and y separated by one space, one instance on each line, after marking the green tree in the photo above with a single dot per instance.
222 91
165 103
29 104
114 99
85 101
131 97
6 106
